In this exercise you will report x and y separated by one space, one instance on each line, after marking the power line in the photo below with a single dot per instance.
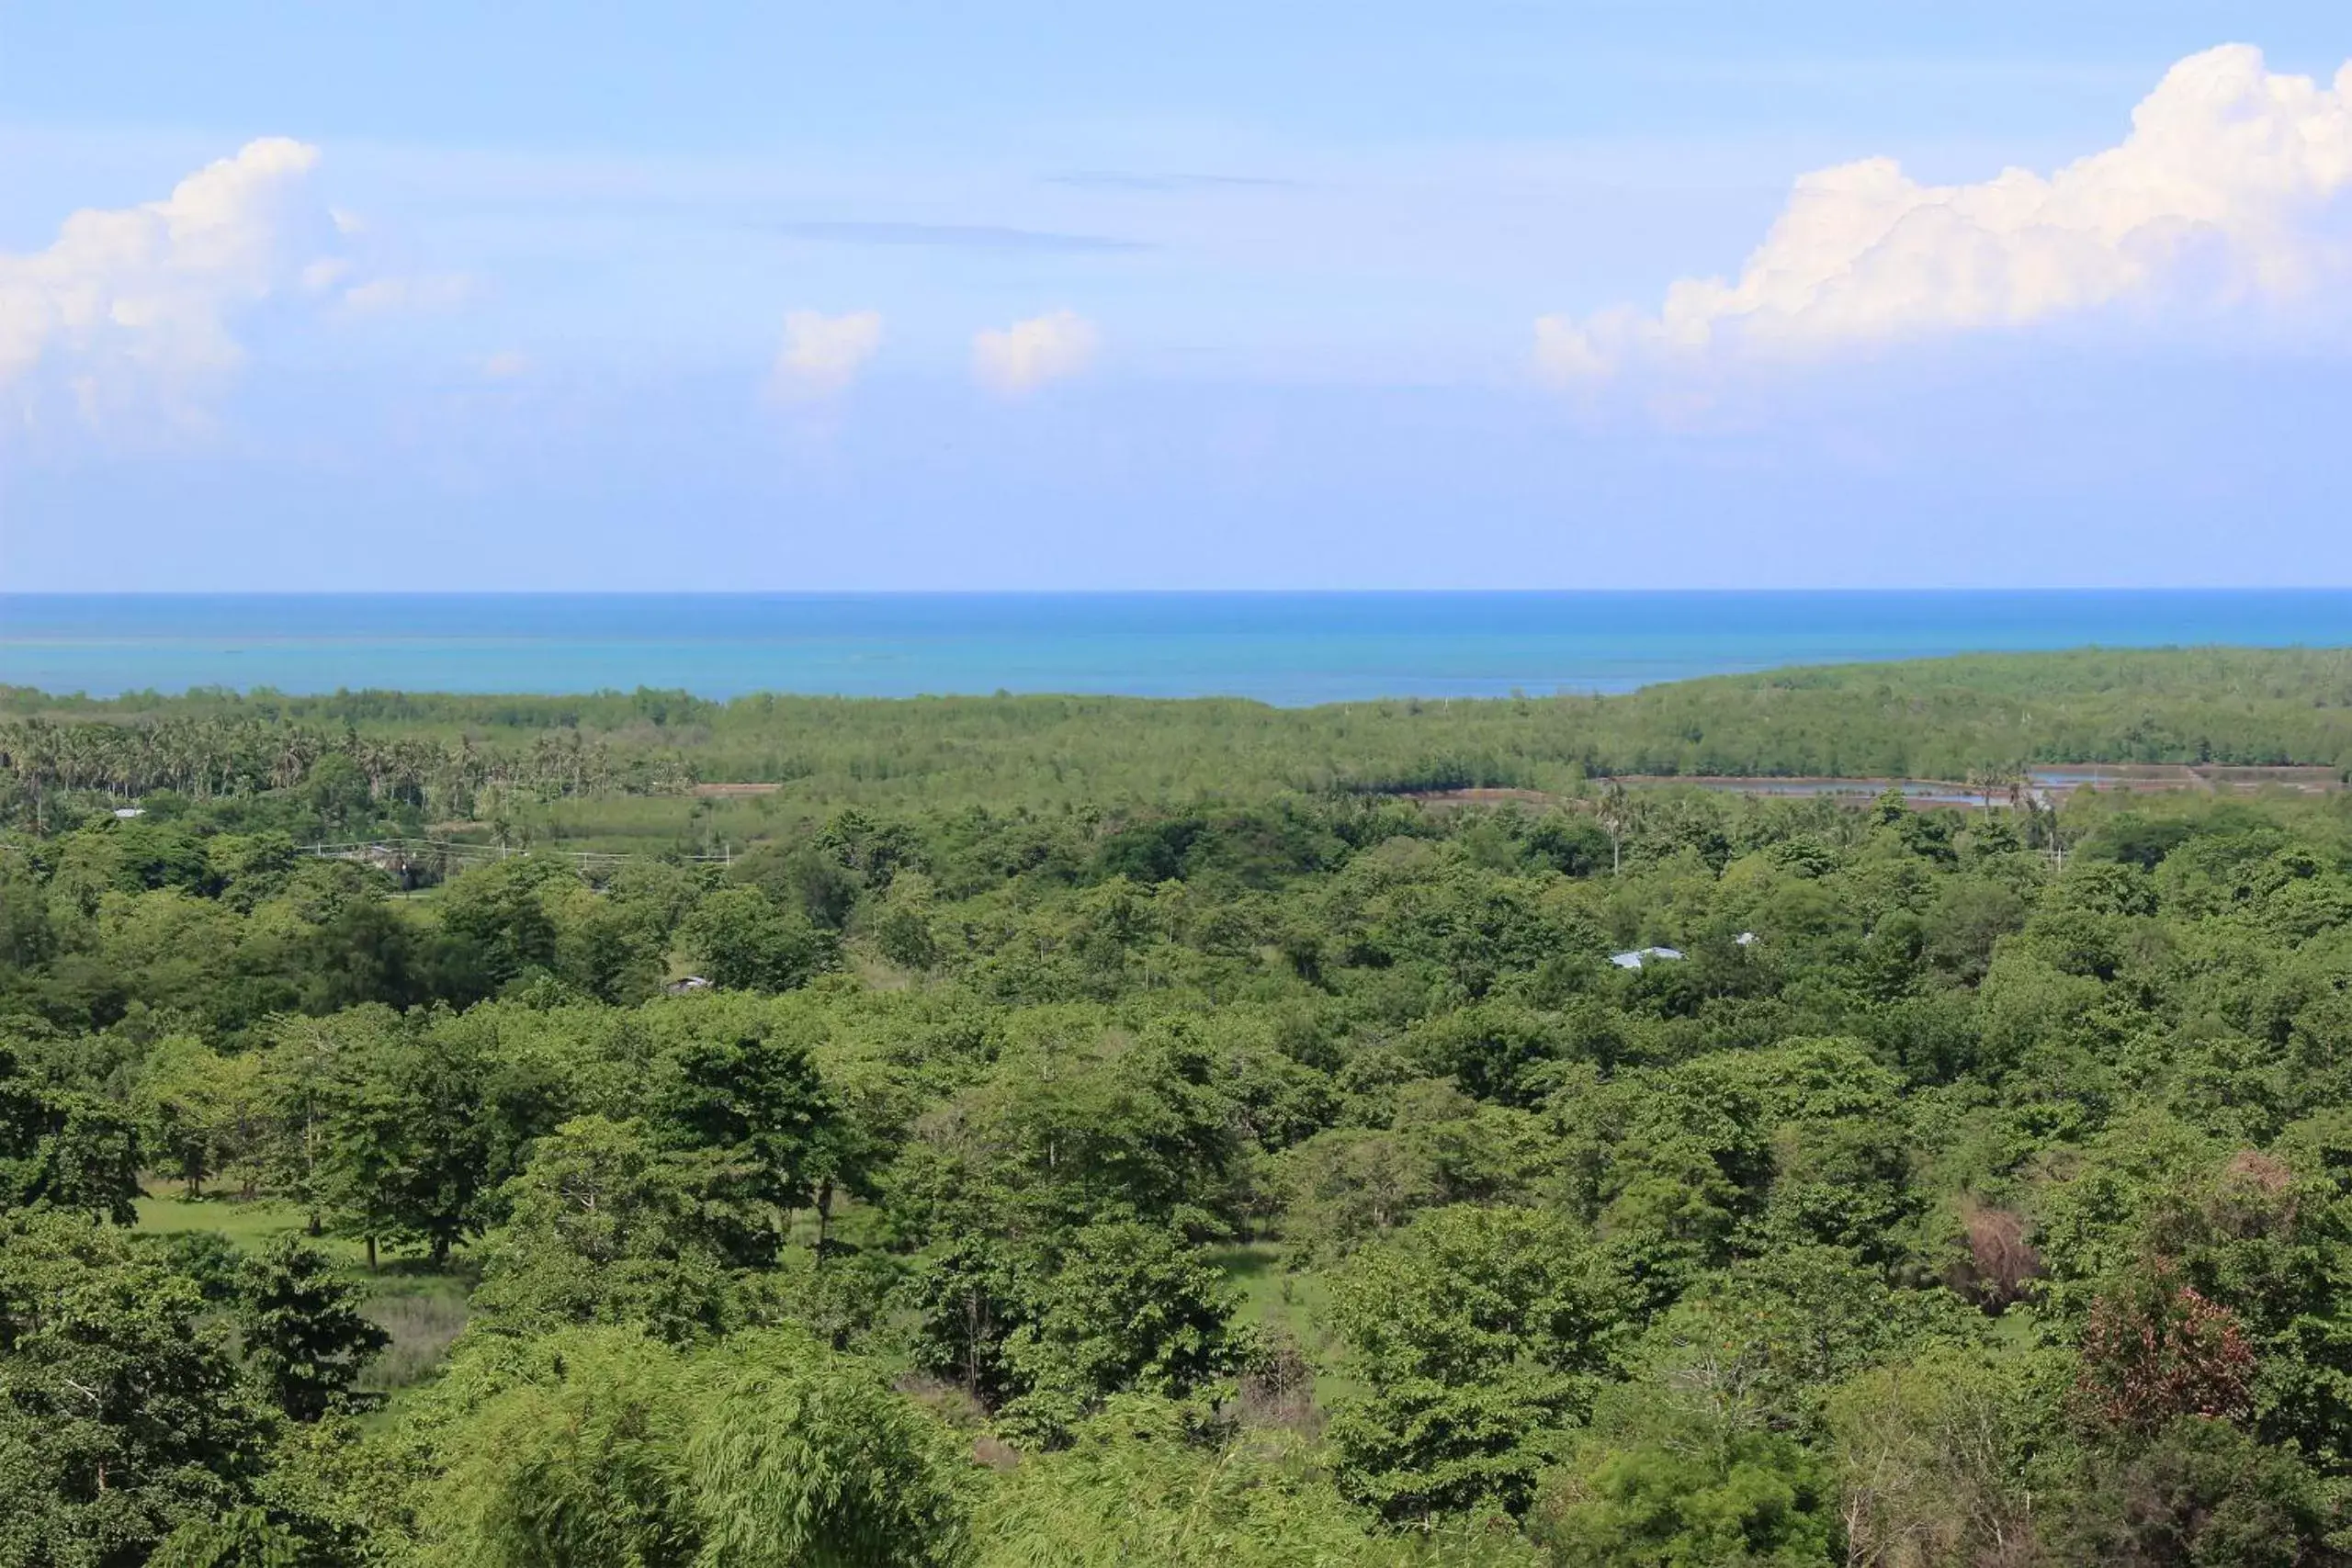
454 849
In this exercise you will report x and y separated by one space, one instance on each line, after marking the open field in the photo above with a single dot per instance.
1289 1302
423 1310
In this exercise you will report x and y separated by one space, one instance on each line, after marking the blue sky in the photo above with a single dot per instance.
899 296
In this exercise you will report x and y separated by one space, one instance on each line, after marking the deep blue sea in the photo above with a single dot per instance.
1290 649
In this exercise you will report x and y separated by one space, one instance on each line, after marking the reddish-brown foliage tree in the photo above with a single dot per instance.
2156 1349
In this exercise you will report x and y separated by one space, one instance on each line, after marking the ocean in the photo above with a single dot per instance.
1282 648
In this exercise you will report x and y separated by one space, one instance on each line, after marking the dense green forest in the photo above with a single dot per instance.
1087 1132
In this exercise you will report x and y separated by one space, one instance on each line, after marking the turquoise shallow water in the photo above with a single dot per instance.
1281 648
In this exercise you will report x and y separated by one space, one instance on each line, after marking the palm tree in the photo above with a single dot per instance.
1613 804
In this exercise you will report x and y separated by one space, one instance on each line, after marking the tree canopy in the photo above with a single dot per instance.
1076 1133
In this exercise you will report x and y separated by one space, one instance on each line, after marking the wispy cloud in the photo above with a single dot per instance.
971 236
418 292
1124 180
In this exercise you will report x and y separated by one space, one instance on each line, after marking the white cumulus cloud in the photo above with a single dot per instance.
1026 355
140 306
150 291
822 353
2225 193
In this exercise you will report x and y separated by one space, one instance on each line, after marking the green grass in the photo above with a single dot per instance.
1288 1302
247 1225
420 1308
424 1316
651 824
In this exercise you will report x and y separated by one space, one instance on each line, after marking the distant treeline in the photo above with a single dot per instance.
1946 718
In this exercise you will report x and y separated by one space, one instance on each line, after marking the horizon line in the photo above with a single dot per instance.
6 594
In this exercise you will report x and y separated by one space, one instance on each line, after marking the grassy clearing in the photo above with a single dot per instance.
423 1321
1287 1301
422 1309
653 823
249 1225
